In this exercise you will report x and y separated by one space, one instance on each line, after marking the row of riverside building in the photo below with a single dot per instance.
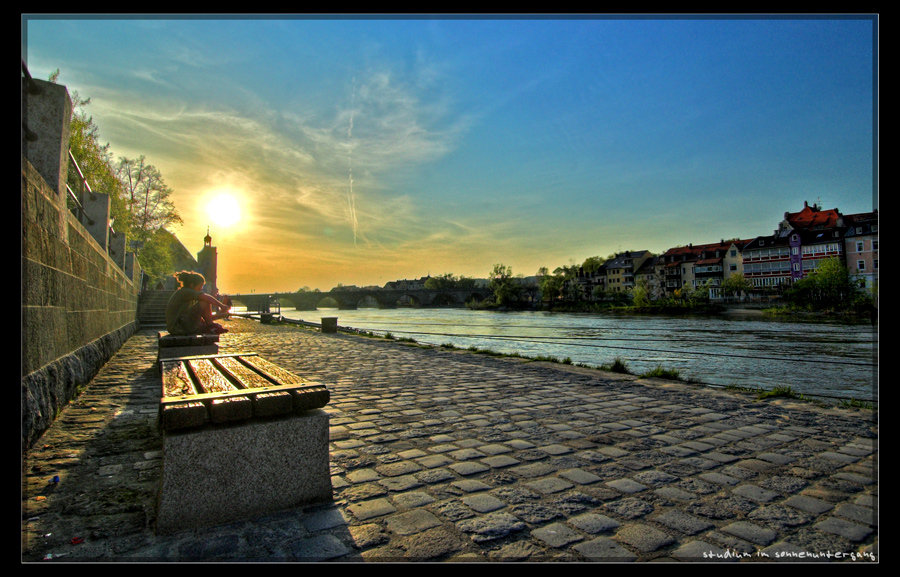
795 249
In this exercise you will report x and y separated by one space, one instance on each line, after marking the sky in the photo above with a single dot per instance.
362 150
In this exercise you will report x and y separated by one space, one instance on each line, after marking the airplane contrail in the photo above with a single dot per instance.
351 200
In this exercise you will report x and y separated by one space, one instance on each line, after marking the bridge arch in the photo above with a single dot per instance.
443 300
409 299
369 302
328 302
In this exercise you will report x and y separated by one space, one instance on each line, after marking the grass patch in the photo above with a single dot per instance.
779 391
548 359
617 366
660 373
856 404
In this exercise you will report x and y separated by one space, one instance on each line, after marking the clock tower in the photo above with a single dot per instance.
206 259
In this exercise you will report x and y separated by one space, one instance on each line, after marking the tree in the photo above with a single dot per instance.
465 282
94 159
440 282
828 286
700 295
736 284
150 209
641 294
507 290
551 286
572 290
448 281
140 202
592 264
156 257
146 195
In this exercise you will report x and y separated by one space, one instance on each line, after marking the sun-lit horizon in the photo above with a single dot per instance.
224 209
365 150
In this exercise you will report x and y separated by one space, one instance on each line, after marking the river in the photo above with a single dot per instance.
825 358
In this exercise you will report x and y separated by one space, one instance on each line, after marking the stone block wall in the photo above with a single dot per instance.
78 306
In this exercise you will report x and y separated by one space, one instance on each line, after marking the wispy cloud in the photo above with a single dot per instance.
296 165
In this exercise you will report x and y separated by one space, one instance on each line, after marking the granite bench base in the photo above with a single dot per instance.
224 473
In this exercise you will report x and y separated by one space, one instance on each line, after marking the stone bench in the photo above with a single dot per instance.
173 346
242 437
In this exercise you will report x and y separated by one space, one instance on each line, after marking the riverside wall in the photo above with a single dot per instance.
78 305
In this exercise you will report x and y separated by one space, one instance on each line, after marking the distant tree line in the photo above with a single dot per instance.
828 287
449 281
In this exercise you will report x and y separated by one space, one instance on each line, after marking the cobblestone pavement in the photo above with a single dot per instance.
441 455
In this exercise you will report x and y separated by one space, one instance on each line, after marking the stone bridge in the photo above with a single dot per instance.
352 299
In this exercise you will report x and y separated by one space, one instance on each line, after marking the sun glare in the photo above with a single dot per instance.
224 209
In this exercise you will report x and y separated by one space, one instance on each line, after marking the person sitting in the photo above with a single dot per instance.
189 311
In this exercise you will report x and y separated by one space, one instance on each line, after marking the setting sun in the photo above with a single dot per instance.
224 209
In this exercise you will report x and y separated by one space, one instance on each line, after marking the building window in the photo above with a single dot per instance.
859 246
860 265
795 250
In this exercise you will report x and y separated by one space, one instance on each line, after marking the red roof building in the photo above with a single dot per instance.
700 264
803 239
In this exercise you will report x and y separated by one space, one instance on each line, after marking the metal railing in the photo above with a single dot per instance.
74 199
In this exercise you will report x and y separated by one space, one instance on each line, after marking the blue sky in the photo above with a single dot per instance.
361 151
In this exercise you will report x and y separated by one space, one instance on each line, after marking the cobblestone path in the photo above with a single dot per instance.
441 455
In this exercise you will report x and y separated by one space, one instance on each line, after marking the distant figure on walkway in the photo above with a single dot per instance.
189 311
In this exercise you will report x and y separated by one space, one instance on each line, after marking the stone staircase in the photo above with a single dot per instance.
151 310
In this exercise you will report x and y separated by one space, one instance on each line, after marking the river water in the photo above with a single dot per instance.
831 359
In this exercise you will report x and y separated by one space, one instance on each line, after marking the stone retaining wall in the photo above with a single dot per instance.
78 306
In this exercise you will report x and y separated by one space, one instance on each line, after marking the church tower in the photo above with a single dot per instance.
207 260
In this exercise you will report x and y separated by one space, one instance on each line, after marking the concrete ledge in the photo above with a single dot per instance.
220 474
